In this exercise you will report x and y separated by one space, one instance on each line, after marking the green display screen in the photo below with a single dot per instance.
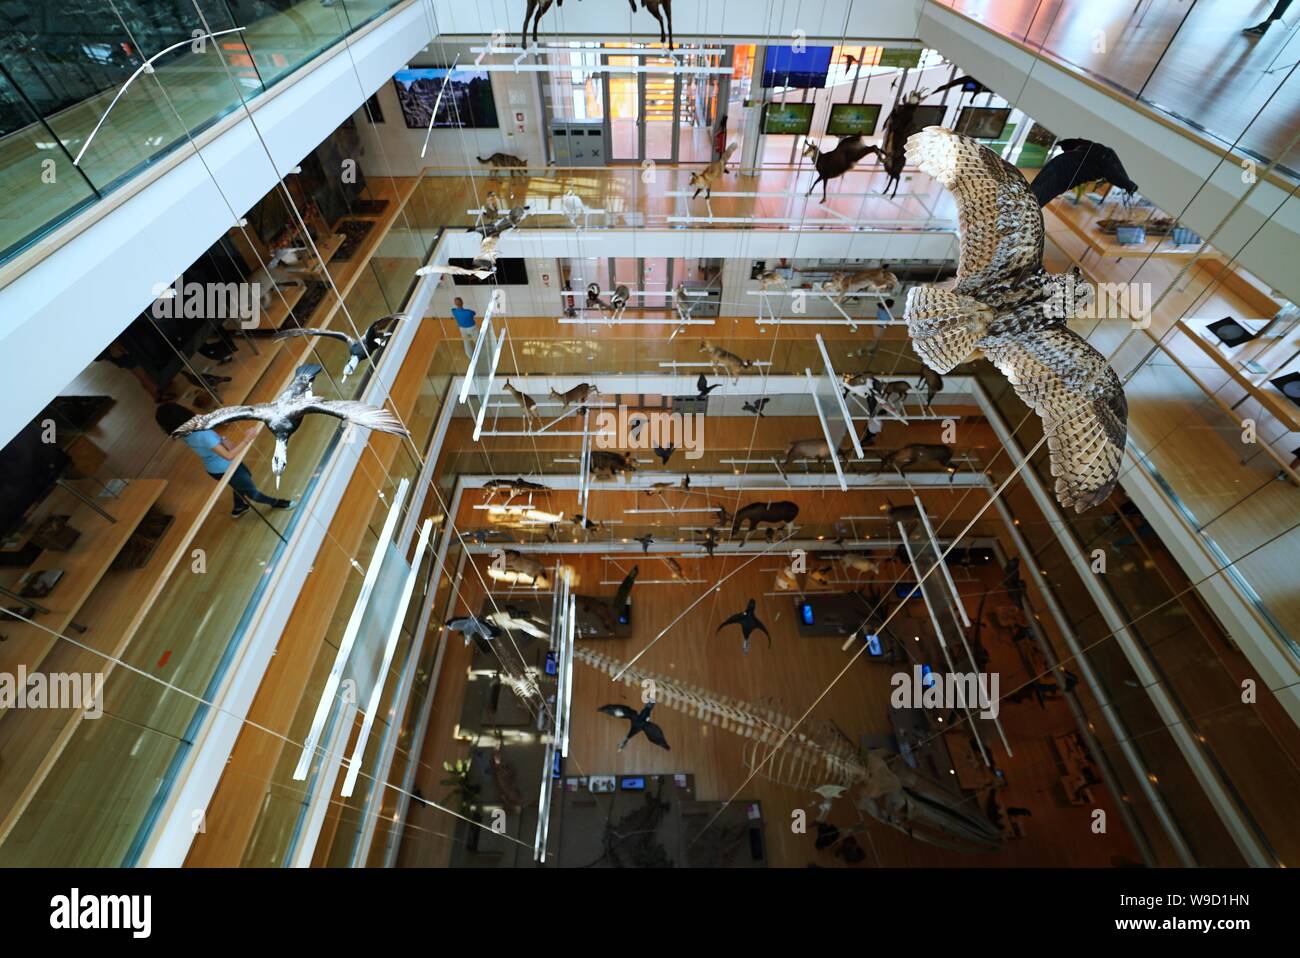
853 119
787 119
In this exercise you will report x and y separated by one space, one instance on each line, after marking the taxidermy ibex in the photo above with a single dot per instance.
833 164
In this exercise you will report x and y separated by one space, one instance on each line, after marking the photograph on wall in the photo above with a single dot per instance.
467 101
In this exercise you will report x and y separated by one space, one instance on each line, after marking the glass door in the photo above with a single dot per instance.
623 113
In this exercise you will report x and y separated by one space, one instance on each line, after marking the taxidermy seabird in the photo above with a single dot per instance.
370 345
640 723
1007 308
748 622
1081 161
703 388
472 628
284 414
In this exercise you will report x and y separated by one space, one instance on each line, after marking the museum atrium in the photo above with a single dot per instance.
726 434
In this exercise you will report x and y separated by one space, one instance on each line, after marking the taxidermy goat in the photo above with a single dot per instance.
832 164
1005 306
538 7
703 180
893 155
933 383
720 359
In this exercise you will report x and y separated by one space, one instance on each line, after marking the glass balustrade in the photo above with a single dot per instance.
60 73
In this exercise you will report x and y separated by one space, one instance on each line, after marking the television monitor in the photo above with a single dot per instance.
853 119
787 119
467 101
806 613
632 783
808 67
926 116
982 122
511 271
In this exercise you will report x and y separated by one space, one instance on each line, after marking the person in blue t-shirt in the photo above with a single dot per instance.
216 454
465 320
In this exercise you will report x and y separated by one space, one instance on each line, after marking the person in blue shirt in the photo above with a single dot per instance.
465 320
216 454
883 310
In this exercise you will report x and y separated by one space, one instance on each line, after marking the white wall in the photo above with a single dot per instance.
392 149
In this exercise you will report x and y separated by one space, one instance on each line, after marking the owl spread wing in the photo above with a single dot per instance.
1000 226
1081 402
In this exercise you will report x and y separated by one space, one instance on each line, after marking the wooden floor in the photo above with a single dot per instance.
1189 61
628 201
1228 485
789 678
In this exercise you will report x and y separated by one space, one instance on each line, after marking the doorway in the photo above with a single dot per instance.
661 116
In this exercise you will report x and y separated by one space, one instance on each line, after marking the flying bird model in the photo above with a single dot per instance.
1006 307
640 722
369 346
1081 161
748 622
284 414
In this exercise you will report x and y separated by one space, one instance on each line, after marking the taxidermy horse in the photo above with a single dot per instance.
833 164
536 8
776 513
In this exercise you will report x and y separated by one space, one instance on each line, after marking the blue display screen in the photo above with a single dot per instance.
785 67
806 613
634 784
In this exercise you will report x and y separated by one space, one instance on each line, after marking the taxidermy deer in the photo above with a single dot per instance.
705 178
833 164
916 454
573 397
527 404
874 280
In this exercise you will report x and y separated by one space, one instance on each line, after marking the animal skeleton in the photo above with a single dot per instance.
806 756
1006 307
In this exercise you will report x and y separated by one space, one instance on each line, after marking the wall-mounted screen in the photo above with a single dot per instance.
853 119
983 122
787 119
467 101
926 116
786 67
